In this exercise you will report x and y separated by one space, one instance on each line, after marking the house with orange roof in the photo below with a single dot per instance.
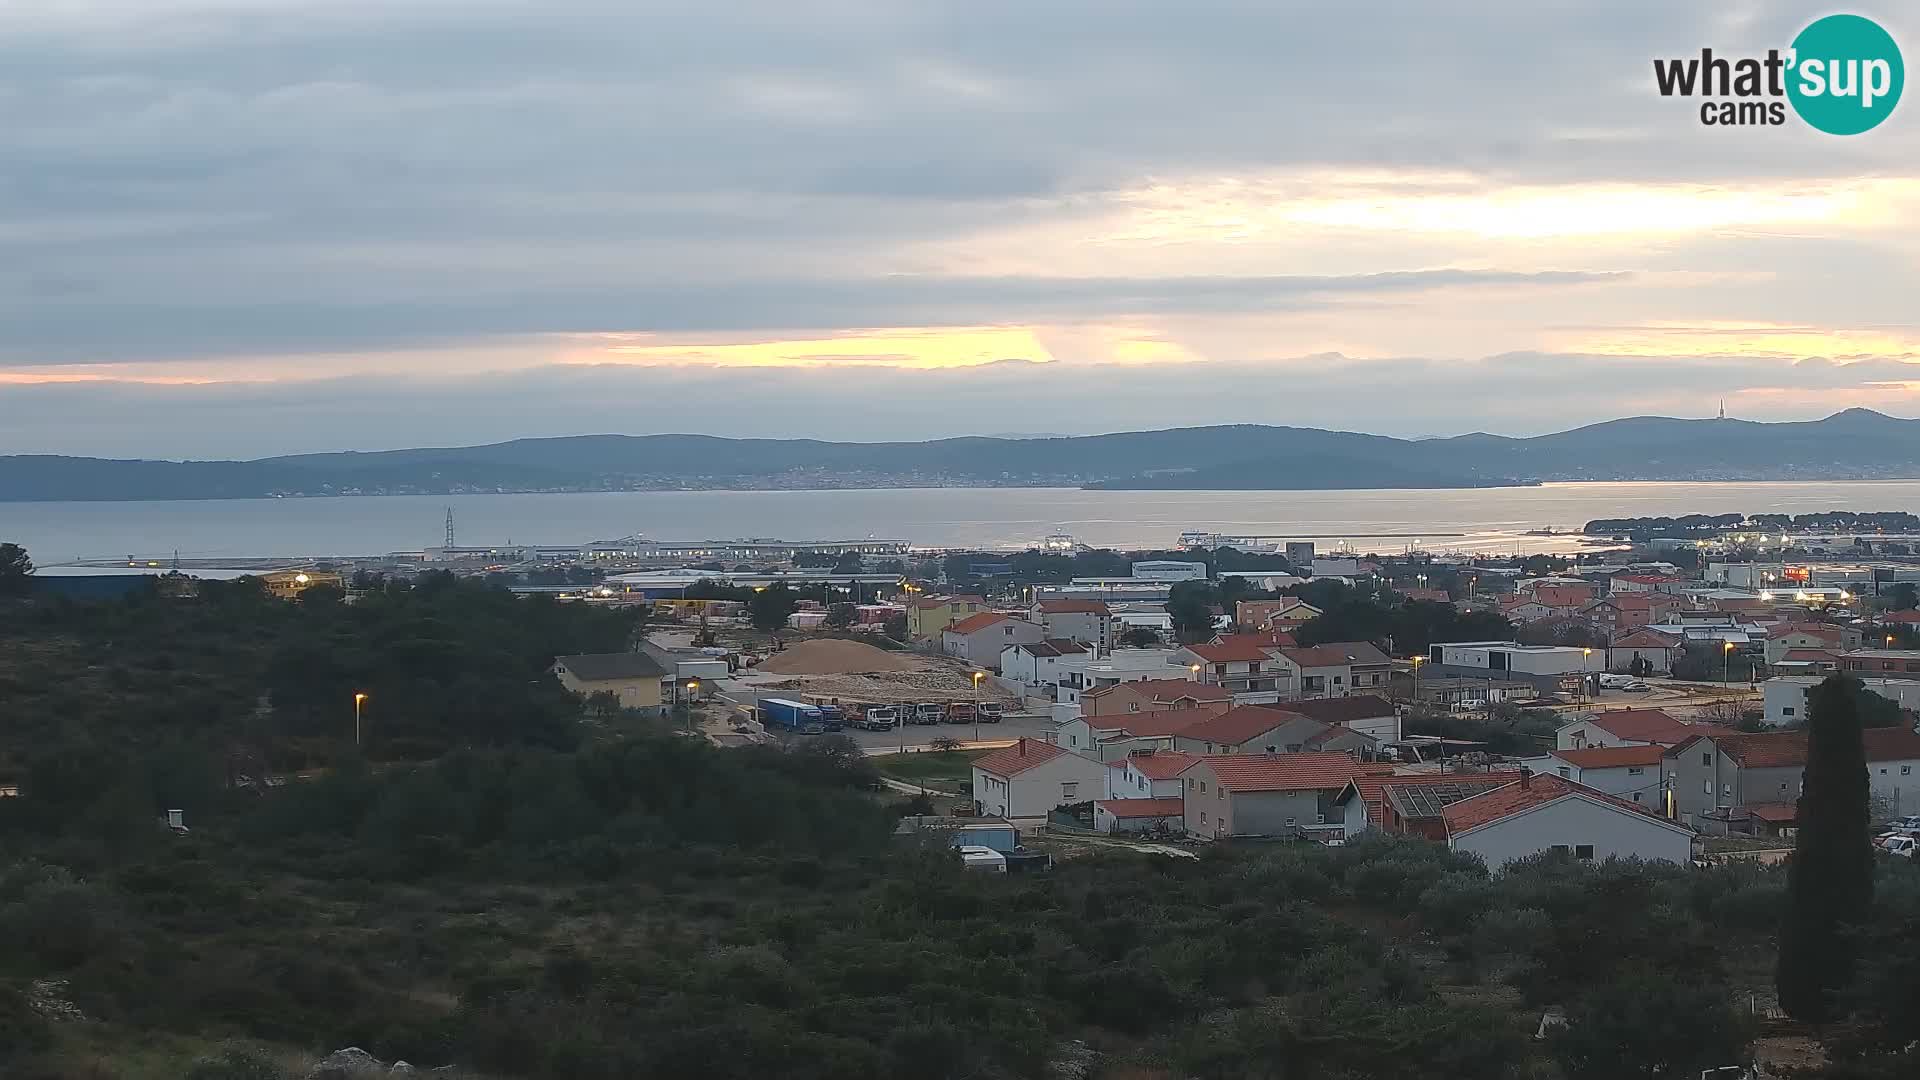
1654 649
1718 779
1410 805
1165 815
1112 738
1089 622
1258 795
980 639
1030 778
1239 663
1149 695
927 616
1536 814
1269 729
1783 637
1624 727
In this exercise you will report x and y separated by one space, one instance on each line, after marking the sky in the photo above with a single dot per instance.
236 228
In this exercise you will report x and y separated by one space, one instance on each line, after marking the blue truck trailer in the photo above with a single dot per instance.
796 717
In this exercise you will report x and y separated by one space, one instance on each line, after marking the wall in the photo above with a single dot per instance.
1573 821
1896 787
1038 790
1265 813
1107 823
642 693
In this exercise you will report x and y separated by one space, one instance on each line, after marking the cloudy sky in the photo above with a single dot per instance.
244 227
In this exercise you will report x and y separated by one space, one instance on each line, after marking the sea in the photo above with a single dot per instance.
1488 520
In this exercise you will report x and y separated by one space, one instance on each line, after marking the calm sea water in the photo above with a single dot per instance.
1485 519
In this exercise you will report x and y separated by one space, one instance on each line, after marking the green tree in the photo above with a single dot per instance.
1649 1026
15 569
1191 605
771 607
841 616
1904 596
896 627
1830 880
1140 637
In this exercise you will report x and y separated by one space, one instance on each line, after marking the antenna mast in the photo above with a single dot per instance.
449 541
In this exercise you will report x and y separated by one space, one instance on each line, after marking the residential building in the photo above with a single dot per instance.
1089 622
1559 599
1451 689
979 639
1299 552
1240 664
636 679
1625 727
1269 795
1148 695
1165 815
1656 650
1523 609
1112 738
1260 729
1319 671
1624 612
1817 662
1511 656
1784 697
1341 567
1030 778
1832 637
1168 570
1370 715
1148 774
1626 584
1431 596
1410 805
1285 613
1715 780
1634 773
1121 666
1041 665
927 616
1548 813
1882 663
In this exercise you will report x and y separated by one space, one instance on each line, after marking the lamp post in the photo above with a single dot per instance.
1416 661
1586 666
1726 667
977 676
359 699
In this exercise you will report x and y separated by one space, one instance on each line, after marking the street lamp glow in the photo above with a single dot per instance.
300 579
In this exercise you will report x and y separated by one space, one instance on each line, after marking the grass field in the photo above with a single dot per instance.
952 770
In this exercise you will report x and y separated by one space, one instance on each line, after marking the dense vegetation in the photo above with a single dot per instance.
565 899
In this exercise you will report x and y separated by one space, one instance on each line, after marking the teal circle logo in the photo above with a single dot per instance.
1846 76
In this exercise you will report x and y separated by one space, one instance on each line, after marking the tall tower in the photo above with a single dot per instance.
1723 416
449 540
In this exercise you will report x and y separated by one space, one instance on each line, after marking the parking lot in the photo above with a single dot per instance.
915 736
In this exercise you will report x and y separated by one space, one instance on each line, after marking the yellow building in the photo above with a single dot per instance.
287 584
929 616
632 677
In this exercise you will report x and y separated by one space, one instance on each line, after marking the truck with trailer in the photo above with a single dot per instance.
793 717
832 716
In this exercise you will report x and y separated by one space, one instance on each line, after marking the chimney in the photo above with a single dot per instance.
1526 779
1023 747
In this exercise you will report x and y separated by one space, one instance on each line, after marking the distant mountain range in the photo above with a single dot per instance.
1855 444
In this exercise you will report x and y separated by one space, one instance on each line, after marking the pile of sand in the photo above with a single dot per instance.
831 656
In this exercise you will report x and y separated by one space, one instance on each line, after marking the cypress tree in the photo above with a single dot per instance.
1830 882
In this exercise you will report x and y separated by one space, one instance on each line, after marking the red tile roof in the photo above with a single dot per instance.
1814 656
1147 725
1767 750
1339 710
1235 726
1562 595
1438 596
973 623
1612 757
1646 579
1642 725
943 601
1905 618
1073 607
1161 764
1169 806
1169 690
1527 793
1285 772
1819 630
1891 744
1776 813
1234 649
1021 756
1053 647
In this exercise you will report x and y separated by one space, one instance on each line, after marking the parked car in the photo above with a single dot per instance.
1900 847
1636 687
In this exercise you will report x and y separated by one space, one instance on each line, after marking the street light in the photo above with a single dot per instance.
977 676
1586 665
359 699
1416 661
1726 668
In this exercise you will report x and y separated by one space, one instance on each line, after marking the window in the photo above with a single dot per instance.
1706 787
1583 851
1220 793
1787 711
1906 770
1068 789
1634 770
1562 770
1133 706
1203 785
1726 790
1636 796
1706 759
1203 817
1559 849
1289 823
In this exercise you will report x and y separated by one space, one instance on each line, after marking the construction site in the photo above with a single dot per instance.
850 671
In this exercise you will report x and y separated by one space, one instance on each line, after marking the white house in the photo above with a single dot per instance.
1624 727
1089 622
1521 659
1147 774
1547 813
1785 696
1633 773
1041 666
1030 778
1114 736
1122 666
979 639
